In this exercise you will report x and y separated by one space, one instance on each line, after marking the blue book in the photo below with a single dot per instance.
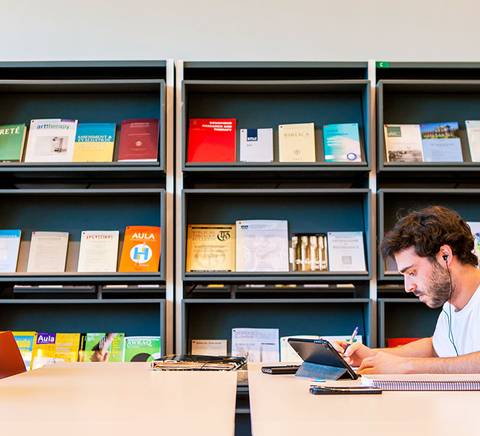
341 143
94 142
441 142
9 247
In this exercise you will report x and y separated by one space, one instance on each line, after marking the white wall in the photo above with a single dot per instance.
242 29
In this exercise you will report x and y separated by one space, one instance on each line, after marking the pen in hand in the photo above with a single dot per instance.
352 338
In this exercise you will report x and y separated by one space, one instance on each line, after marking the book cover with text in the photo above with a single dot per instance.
141 249
139 140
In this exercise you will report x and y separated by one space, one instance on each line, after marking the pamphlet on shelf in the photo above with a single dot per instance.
345 251
98 251
51 140
12 140
342 143
262 246
94 142
48 252
9 248
473 135
256 145
256 345
441 142
209 347
297 142
403 143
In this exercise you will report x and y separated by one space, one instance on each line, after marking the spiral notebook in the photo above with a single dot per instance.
424 382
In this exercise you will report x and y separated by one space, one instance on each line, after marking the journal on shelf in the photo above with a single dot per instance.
141 249
296 142
12 140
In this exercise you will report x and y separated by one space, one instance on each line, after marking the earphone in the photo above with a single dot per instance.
449 316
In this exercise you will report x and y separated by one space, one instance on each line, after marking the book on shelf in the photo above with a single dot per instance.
345 251
341 143
210 247
48 252
473 135
26 342
212 140
141 249
9 248
441 142
308 252
138 140
296 142
256 345
98 251
256 145
55 347
262 246
142 348
51 140
209 347
94 142
396 342
12 139
102 347
403 143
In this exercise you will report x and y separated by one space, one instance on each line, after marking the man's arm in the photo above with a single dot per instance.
421 348
383 362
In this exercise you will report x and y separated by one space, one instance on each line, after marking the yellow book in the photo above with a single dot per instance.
94 142
210 247
55 347
296 142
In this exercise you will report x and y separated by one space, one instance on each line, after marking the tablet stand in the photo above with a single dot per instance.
315 370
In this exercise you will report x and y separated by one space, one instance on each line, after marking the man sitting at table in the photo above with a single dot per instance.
433 251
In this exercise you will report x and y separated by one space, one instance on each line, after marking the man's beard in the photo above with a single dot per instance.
439 287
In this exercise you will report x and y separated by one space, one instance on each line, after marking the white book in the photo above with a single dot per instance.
403 143
209 347
256 145
345 251
473 135
98 251
475 229
262 246
51 140
48 252
256 345
9 247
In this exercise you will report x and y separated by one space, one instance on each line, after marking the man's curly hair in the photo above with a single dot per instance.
427 230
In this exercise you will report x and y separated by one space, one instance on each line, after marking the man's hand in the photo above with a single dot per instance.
355 353
384 363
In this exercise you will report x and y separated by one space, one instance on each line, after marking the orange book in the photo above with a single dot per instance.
141 249
11 360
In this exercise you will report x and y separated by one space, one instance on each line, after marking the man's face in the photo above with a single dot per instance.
428 280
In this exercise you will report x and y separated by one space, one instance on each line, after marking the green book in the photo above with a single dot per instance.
103 347
142 348
12 138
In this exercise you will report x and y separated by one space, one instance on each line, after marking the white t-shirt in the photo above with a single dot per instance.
465 328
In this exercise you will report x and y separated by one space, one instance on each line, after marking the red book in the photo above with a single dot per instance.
138 140
212 140
395 342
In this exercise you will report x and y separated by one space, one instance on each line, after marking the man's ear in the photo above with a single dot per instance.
445 255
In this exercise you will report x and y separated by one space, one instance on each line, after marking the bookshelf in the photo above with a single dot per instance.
313 197
421 92
405 318
89 196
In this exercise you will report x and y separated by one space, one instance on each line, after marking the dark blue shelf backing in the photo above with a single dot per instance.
405 318
268 104
71 316
210 320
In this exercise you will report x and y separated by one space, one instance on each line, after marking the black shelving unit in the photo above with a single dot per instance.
72 197
312 197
